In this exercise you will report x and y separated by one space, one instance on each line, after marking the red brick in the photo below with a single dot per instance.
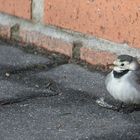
115 20
20 8
50 43
95 57
5 31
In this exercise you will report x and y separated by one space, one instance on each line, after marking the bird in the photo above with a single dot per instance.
123 82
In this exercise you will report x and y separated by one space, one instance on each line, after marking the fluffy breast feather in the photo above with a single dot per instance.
124 88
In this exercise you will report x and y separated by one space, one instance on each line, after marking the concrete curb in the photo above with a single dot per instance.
87 48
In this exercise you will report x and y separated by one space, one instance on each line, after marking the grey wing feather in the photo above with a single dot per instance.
137 76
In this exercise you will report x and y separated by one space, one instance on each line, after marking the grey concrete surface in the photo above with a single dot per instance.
57 103
9 55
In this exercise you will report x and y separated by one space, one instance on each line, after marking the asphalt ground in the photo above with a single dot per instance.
43 97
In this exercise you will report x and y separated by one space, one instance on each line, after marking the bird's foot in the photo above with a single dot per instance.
130 108
137 107
104 104
127 109
121 107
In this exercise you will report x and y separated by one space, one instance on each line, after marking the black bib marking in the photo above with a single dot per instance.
120 74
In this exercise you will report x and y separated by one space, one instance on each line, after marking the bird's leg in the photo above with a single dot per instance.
125 108
119 106
137 107
128 108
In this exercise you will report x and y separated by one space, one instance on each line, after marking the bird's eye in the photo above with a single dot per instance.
122 64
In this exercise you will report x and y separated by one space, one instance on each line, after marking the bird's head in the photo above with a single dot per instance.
125 62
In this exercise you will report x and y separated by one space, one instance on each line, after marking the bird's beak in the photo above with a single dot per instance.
116 63
111 66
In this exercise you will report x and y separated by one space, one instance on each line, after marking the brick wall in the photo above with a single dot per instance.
117 21
20 8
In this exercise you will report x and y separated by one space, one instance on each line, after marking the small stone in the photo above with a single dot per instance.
7 74
37 86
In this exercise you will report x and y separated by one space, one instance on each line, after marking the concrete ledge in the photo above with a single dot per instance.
92 50
50 43
5 31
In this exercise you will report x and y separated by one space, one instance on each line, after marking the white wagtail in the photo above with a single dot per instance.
123 82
